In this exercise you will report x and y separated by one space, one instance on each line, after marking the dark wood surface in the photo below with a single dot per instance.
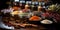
39 27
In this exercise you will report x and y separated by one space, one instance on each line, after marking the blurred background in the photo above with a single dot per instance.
29 14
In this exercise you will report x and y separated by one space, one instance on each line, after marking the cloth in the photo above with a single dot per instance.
56 16
6 11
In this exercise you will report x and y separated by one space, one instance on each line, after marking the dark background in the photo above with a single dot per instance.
4 5
56 1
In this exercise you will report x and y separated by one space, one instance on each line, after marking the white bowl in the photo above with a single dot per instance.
46 21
